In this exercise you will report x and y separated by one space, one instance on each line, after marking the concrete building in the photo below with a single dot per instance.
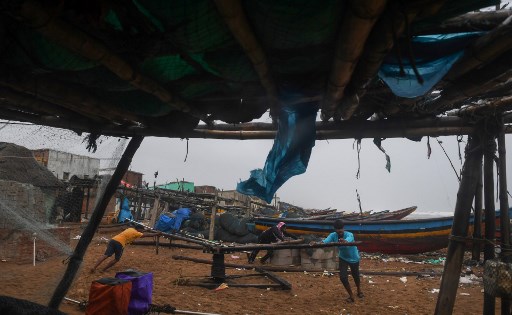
66 165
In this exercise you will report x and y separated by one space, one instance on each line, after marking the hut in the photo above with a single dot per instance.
207 69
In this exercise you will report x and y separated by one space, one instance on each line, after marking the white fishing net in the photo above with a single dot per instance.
49 185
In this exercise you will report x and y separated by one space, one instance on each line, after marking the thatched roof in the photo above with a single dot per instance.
157 67
18 164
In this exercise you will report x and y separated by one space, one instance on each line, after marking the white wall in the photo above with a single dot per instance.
79 165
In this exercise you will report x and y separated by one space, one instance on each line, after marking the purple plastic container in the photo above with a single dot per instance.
142 290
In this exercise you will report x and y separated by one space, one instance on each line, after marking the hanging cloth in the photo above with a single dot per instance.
289 155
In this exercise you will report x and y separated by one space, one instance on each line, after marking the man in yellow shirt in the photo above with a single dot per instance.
116 246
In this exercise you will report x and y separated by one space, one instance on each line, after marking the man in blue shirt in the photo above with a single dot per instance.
348 257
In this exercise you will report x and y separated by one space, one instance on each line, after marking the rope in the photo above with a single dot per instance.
186 154
429 148
464 239
359 201
358 141
453 167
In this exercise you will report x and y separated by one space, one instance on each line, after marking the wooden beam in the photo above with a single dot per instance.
479 81
477 226
71 97
356 26
455 254
483 50
393 22
18 101
504 217
491 106
300 269
236 20
79 42
359 130
489 146
469 22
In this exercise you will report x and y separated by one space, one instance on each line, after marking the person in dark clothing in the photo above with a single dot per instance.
273 234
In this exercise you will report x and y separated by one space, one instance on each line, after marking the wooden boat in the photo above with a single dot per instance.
368 216
388 237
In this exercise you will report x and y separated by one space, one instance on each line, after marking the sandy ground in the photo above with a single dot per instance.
311 293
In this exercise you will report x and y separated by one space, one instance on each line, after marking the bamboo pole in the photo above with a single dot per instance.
77 257
17 101
455 254
277 246
360 130
506 249
469 22
391 25
486 48
71 97
235 18
477 227
174 244
79 42
490 225
211 235
299 269
491 76
356 26
501 104
504 217
154 211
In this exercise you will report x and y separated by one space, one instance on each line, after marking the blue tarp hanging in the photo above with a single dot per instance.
125 212
289 155
434 55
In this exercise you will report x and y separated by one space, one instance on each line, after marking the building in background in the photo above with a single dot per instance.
132 179
66 165
205 189
178 186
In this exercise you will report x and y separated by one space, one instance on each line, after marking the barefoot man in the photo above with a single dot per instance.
348 257
116 246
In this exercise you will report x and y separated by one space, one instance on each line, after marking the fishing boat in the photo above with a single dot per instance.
387 237
368 216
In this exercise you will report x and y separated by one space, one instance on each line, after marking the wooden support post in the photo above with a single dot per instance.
504 217
154 211
138 212
76 258
218 270
87 203
455 255
490 212
211 236
477 231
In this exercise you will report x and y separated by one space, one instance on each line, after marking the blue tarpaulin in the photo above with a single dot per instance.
434 55
289 155
125 212
173 222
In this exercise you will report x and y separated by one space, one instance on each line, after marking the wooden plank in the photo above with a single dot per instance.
284 284
490 225
456 247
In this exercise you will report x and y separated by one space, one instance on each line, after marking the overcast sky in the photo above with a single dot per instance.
330 180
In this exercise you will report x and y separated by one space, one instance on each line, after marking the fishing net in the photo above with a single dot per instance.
49 185
498 278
